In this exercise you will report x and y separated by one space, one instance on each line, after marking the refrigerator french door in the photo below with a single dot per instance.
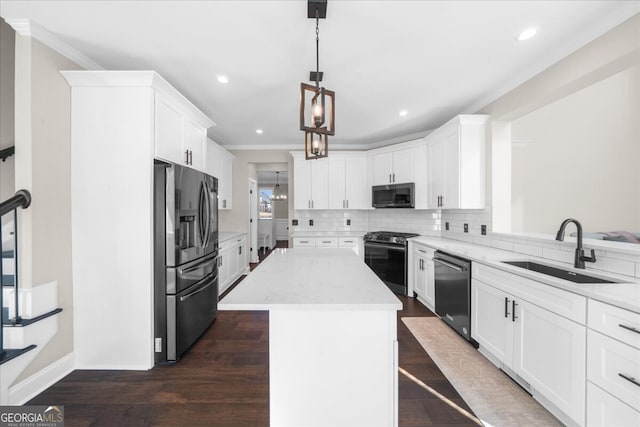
185 254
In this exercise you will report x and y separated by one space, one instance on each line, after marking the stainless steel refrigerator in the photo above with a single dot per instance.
185 257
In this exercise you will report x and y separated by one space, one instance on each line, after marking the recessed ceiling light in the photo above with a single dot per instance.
259 131
403 113
223 79
527 34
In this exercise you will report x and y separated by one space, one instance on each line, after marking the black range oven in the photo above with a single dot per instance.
385 252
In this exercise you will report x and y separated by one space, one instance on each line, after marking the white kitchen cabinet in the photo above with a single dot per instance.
542 348
456 164
423 275
394 167
613 366
348 184
310 183
179 137
232 261
119 120
220 165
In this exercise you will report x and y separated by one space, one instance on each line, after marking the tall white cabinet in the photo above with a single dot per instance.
120 120
348 184
310 182
456 163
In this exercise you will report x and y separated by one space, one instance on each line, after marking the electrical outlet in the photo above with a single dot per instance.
294 222
446 226
311 222
483 230
348 221
466 228
158 345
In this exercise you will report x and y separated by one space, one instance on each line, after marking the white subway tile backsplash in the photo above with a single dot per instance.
504 245
527 249
558 255
610 265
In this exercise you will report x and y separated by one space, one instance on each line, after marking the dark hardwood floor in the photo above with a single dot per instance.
223 380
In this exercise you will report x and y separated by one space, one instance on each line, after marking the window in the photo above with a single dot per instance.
265 208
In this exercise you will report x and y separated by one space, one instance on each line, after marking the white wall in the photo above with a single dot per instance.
7 67
42 128
581 159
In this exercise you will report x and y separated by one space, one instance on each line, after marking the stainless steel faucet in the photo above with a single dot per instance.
580 258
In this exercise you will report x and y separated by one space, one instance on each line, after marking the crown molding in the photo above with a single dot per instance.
27 28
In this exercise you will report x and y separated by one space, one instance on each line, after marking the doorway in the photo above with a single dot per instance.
253 220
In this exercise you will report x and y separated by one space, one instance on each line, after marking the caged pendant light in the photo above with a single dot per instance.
278 194
317 104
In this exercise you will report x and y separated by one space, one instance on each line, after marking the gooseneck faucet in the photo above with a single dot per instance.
580 257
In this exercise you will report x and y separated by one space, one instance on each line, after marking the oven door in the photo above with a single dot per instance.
389 264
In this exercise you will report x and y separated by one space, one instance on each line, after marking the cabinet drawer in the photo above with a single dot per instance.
567 304
425 251
326 242
604 410
608 361
304 242
348 242
615 322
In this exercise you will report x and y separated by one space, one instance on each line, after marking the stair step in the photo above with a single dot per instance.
27 322
13 353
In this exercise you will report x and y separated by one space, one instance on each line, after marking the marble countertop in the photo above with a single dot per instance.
311 279
625 294
328 234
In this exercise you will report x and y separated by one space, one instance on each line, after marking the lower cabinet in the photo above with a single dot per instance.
422 276
613 366
232 261
543 349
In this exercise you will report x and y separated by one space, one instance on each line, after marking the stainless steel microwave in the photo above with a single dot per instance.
393 196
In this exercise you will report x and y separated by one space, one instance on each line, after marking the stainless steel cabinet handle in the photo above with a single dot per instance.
630 379
629 328
513 310
304 241
186 159
390 178
326 241
394 177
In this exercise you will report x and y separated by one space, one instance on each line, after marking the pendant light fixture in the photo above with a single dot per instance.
278 194
317 104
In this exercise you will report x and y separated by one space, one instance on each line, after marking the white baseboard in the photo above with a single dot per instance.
29 388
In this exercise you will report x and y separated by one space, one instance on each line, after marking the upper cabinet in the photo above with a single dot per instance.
401 163
310 182
220 165
456 164
180 135
394 167
348 184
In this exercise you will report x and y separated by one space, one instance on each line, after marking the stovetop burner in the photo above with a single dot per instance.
393 237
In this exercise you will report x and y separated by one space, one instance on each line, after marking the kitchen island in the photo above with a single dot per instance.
333 354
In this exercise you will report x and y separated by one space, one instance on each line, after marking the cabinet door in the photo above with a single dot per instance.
301 187
492 325
451 168
225 182
604 410
382 171
241 254
223 270
550 354
337 182
435 171
403 166
419 281
357 192
319 183
214 160
430 282
168 132
194 140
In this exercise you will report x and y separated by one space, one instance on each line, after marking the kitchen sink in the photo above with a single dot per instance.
557 272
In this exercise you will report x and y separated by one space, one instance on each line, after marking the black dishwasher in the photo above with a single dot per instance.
453 292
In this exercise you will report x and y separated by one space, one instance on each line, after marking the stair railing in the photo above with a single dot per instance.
22 199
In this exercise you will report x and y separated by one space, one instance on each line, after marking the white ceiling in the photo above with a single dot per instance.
435 59
269 177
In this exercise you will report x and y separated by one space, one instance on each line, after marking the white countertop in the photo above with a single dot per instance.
310 278
358 234
228 235
624 295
